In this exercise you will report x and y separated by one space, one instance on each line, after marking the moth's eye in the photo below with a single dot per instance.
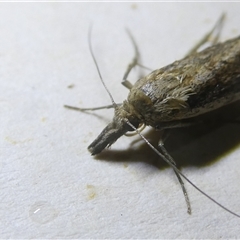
132 132
136 124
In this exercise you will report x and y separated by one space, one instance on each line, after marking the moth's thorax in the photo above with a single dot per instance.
138 103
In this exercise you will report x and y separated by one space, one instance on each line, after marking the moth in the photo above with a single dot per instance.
175 95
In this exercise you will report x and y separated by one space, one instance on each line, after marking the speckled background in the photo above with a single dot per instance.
50 186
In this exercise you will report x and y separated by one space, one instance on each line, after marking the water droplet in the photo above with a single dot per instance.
42 212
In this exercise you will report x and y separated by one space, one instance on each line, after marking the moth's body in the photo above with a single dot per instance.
175 96
197 84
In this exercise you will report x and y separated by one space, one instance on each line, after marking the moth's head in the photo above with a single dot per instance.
120 125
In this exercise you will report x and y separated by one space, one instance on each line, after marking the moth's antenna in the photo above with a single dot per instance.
96 64
178 171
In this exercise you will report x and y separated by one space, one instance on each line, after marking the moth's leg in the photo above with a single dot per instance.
177 124
209 37
132 64
91 109
167 155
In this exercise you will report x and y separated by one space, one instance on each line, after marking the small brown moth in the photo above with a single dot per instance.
173 96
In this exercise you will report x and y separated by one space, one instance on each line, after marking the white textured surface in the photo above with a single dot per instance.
50 186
